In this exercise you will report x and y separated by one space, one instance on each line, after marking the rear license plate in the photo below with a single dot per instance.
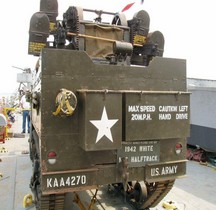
140 153
55 181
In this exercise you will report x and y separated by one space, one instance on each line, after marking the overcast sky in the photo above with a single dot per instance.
187 25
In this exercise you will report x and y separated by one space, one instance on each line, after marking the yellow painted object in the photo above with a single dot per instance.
63 104
3 150
93 201
5 111
78 201
27 200
169 205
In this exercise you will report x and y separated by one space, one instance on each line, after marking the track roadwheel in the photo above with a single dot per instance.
140 191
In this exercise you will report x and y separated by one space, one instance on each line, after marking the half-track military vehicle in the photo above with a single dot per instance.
107 107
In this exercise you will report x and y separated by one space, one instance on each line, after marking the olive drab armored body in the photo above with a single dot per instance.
107 107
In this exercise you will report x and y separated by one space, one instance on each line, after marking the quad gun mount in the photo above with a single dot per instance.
107 108
123 40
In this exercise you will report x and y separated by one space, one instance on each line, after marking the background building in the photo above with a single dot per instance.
203 113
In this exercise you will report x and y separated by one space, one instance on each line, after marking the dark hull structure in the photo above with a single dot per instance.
203 137
203 115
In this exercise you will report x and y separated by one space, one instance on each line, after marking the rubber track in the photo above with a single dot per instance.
162 189
52 202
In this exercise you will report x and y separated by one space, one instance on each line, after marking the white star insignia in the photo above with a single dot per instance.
104 125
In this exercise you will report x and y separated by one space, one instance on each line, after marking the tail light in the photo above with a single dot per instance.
52 157
178 148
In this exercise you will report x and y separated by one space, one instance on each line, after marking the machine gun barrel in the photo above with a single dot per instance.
18 68
99 12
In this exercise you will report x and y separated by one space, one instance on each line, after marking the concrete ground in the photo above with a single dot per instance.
195 192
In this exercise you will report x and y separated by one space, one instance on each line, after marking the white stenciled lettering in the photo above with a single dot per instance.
77 180
55 183
147 108
62 184
66 181
168 108
141 117
73 180
165 116
133 108
182 116
49 181
155 172
83 180
138 159
146 148
138 108
183 108
169 170
130 148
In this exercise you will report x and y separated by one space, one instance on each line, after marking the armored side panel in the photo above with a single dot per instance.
137 113
90 107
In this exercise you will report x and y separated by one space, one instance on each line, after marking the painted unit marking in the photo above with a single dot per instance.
104 126
166 170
